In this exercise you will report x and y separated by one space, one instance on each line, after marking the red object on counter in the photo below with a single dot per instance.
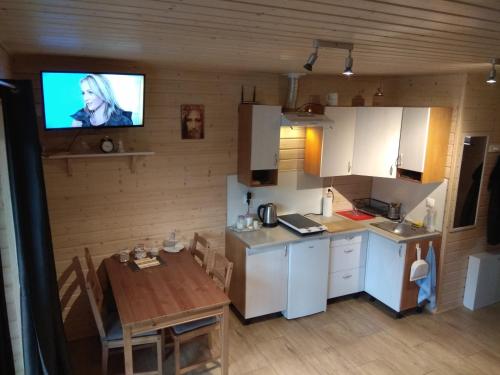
350 214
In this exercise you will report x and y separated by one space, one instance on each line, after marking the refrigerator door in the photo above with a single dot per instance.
307 278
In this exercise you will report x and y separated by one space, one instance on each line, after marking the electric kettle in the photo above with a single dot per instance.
267 214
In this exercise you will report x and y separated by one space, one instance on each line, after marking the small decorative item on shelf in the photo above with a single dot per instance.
243 101
107 145
378 97
358 101
332 99
120 147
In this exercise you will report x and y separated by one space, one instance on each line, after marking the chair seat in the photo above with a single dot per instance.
179 329
114 329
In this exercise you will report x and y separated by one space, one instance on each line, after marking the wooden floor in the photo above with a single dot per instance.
354 336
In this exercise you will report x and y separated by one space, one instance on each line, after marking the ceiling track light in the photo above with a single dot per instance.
492 78
317 43
348 65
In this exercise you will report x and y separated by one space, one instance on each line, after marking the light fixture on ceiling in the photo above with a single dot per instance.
317 43
348 65
492 78
312 57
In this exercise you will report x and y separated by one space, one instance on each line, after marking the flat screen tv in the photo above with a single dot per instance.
75 100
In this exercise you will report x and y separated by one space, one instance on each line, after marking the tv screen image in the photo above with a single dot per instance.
92 100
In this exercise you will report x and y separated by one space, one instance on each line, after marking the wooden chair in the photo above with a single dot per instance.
109 326
204 255
221 270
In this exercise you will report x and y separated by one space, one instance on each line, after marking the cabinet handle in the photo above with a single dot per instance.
390 171
311 247
348 251
400 248
400 160
349 167
346 276
286 251
275 159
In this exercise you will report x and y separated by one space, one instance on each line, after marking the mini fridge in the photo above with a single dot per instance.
307 277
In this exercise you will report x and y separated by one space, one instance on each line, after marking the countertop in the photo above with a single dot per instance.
336 225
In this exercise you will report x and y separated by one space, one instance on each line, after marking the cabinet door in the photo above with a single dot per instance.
266 280
384 270
338 142
265 137
376 141
413 142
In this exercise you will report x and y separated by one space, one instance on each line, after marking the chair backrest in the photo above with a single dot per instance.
221 271
95 294
203 256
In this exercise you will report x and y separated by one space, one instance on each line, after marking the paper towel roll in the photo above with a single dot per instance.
327 206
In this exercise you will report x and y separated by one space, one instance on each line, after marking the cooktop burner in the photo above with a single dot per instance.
301 224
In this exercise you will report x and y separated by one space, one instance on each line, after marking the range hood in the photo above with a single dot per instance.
290 117
304 119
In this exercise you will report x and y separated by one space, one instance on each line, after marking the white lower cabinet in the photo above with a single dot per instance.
266 281
347 264
385 261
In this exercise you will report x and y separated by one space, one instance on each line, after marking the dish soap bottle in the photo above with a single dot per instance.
430 219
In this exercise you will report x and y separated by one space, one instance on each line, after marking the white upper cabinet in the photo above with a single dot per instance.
423 147
266 121
413 143
376 141
258 144
329 148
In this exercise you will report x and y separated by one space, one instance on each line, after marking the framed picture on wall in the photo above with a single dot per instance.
192 121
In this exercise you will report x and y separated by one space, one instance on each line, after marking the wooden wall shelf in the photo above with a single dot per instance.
69 157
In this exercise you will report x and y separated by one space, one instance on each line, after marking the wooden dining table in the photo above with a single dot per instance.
177 291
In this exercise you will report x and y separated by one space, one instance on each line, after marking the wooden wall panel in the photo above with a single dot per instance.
476 110
105 207
4 64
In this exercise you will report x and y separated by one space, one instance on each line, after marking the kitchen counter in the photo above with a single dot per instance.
336 225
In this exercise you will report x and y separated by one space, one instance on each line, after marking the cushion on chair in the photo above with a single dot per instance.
114 329
179 329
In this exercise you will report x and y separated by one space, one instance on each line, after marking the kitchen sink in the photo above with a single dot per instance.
401 229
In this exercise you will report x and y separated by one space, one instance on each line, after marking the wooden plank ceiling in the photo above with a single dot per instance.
390 37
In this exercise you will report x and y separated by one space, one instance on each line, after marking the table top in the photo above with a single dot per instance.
178 287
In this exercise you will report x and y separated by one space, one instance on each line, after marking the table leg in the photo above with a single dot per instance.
127 351
225 340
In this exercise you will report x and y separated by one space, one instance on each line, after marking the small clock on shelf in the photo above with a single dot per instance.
107 145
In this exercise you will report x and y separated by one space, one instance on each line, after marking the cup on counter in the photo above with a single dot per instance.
240 223
256 224
249 221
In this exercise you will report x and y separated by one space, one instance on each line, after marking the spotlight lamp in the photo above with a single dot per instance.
311 60
348 65
317 43
492 78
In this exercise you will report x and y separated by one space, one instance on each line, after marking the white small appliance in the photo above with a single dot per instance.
301 224
308 263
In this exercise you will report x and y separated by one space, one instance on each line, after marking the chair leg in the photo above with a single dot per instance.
159 354
104 359
177 356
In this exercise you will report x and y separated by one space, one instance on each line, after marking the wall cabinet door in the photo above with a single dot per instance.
413 142
329 148
385 260
266 281
376 141
266 121
338 142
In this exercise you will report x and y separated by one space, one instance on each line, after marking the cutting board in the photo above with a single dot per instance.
355 216
343 226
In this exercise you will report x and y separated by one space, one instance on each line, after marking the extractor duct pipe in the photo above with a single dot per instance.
293 86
